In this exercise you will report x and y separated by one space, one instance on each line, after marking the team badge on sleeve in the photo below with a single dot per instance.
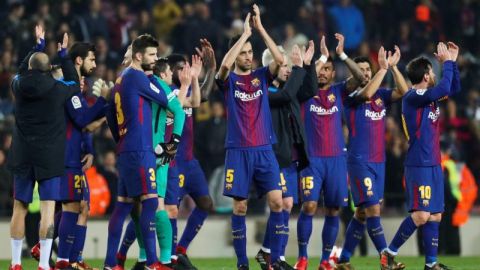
77 104
154 88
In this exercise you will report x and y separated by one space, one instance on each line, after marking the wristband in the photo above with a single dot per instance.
343 56
62 53
323 59
40 46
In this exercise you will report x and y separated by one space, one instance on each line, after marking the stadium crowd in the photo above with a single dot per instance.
414 26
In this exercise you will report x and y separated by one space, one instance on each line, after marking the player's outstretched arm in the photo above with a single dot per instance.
229 58
195 98
400 83
39 47
309 85
453 49
371 88
276 54
422 97
68 68
185 78
210 64
357 76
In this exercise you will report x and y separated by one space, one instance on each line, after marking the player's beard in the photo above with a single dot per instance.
147 67
84 72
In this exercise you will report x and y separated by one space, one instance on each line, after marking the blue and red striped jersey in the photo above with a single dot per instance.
132 96
249 122
322 115
420 117
366 126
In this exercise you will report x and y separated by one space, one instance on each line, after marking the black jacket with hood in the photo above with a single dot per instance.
39 134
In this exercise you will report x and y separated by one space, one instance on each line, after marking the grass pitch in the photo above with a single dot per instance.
360 263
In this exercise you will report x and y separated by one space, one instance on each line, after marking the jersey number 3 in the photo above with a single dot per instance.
118 106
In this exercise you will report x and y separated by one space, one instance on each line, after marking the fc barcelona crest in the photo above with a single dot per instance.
378 102
255 82
331 98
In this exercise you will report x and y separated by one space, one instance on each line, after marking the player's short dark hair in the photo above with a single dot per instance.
417 68
234 40
161 65
142 42
81 49
330 59
176 58
362 59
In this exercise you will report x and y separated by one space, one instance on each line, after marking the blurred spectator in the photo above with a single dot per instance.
166 14
118 27
95 21
348 20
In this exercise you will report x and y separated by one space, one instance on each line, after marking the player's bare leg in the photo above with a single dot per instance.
17 233
45 232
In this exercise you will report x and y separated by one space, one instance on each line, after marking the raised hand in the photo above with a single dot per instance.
296 56
453 49
196 66
207 53
186 75
64 44
308 55
442 53
247 29
39 33
341 43
382 58
257 23
394 58
323 47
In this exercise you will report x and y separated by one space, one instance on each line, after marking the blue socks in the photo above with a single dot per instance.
128 238
304 230
375 231
77 248
329 235
147 224
353 235
407 228
66 234
266 238
430 241
173 221
194 224
286 217
121 211
239 234
275 222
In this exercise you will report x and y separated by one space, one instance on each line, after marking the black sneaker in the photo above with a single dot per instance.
184 263
243 267
281 265
438 266
263 259
139 265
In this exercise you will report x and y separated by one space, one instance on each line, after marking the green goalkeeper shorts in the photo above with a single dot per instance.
162 176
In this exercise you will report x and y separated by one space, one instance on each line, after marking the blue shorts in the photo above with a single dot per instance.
367 181
289 182
48 189
425 188
244 165
192 180
329 176
136 174
172 195
72 185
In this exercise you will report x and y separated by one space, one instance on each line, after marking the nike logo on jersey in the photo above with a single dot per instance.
322 111
248 96
375 116
434 115
239 83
